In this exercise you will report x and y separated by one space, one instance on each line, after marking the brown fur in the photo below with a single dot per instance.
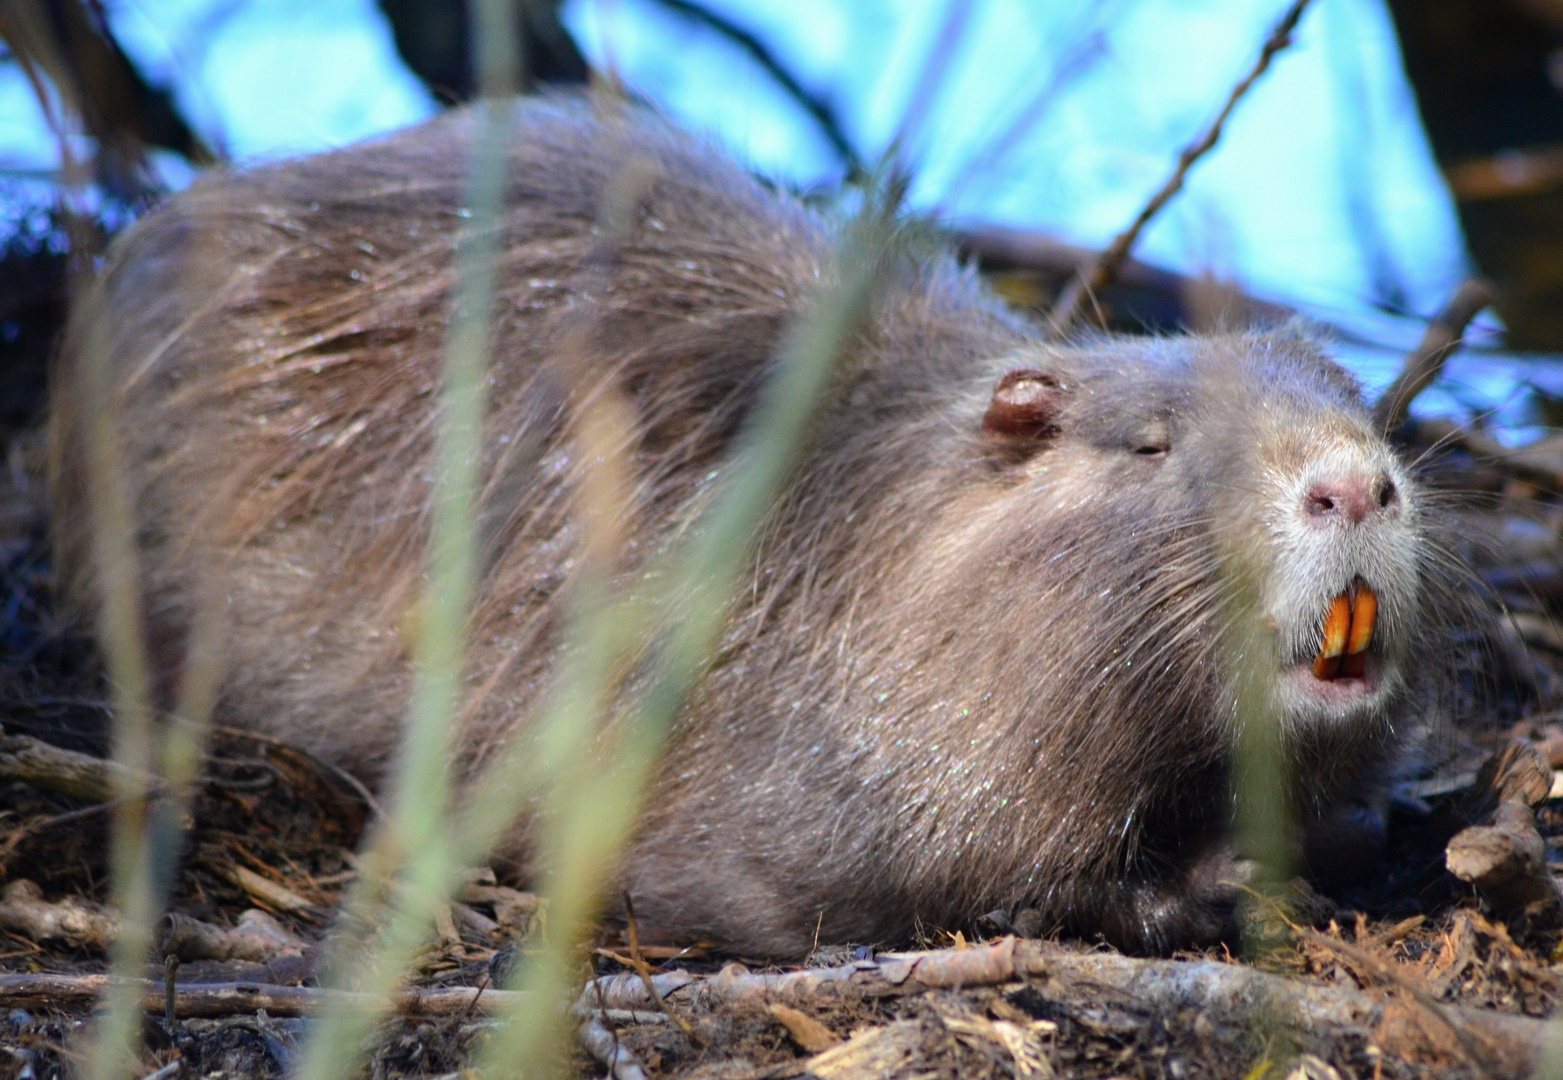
968 672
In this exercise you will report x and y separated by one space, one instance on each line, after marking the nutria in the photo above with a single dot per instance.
982 660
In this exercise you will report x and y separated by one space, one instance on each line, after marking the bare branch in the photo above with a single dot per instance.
1539 463
51 768
823 114
1067 311
229 999
1425 362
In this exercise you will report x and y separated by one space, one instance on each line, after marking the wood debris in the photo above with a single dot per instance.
258 938
873 1052
604 1045
77 775
274 894
75 921
806 1031
1505 858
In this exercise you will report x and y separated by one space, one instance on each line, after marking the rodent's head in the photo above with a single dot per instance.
1238 480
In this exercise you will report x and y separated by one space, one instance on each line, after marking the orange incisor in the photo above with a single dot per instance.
1348 631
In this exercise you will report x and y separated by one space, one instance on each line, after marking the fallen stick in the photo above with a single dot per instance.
1425 362
272 893
95 780
806 1031
67 772
1505 860
78 922
1503 856
1516 772
259 938
1230 995
33 991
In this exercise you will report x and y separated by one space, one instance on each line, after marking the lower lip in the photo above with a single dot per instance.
1340 691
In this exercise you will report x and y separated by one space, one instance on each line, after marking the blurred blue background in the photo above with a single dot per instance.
1063 117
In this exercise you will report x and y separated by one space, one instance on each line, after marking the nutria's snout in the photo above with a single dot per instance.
1351 497
1349 542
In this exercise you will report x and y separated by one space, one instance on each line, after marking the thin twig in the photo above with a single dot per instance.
820 110
33 828
477 996
1080 291
233 998
321 763
171 995
638 962
1539 463
1425 362
1073 63
936 65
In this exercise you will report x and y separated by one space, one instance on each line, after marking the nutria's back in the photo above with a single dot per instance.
981 658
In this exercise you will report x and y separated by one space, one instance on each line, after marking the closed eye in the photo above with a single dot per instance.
1152 440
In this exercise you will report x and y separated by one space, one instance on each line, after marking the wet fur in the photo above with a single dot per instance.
962 676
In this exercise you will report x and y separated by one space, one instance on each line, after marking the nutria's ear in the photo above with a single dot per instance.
1025 407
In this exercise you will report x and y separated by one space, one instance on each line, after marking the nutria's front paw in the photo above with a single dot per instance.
1197 907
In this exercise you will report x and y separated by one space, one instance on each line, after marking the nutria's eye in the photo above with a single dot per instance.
1154 440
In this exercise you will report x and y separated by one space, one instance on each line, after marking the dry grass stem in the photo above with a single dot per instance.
119 631
410 836
411 833
589 820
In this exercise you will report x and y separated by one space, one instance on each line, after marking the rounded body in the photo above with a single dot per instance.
999 629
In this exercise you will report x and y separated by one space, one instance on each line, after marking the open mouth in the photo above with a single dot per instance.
1348 631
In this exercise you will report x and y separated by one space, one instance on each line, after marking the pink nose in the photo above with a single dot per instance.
1353 496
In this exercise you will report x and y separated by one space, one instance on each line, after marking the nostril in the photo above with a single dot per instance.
1351 496
1386 492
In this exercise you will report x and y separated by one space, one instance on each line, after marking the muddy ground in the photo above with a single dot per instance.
290 825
